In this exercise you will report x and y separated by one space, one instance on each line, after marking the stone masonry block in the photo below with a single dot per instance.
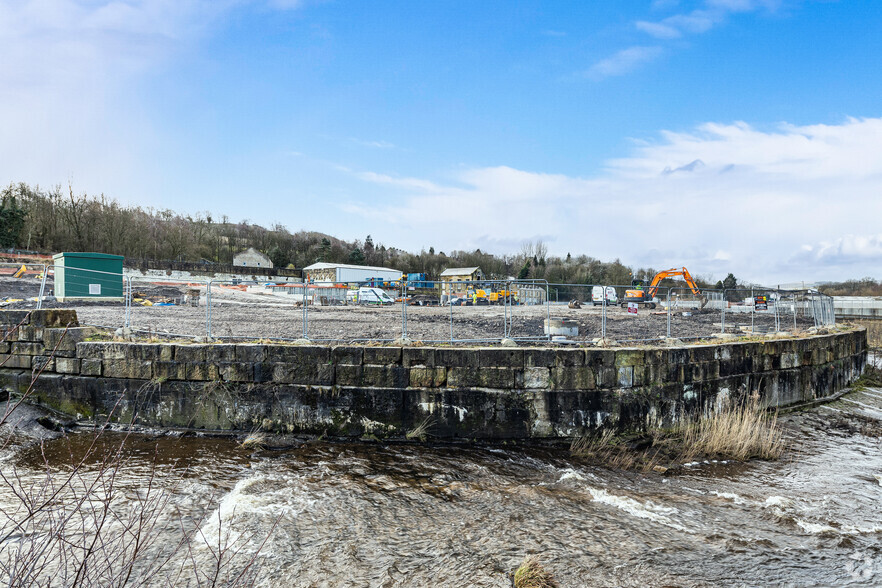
347 375
170 370
539 357
537 378
573 378
30 333
221 352
67 339
347 355
15 361
250 353
67 365
496 377
503 357
236 371
309 373
90 367
419 356
134 369
14 317
385 376
626 376
28 348
150 351
43 362
462 377
428 377
190 353
54 318
101 350
629 357
453 357
382 355
569 357
202 371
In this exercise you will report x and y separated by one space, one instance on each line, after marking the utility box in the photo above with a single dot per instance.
88 276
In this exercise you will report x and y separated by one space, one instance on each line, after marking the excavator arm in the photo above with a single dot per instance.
677 271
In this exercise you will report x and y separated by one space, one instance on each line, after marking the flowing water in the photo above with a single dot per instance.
416 515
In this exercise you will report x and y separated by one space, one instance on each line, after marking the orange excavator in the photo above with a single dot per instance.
645 297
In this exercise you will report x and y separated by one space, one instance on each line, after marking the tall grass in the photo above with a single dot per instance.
741 431
532 574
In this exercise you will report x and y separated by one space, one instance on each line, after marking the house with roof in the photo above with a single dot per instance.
455 280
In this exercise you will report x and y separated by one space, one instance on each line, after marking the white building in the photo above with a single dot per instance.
251 257
328 273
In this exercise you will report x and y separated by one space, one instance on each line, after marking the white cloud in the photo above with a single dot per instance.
713 13
743 200
624 61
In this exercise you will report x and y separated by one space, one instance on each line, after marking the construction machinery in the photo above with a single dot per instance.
644 296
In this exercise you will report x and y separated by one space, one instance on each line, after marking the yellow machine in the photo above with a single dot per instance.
20 271
644 297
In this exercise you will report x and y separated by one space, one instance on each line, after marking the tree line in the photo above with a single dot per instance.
58 219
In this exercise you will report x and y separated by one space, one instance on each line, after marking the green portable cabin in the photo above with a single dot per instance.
88 276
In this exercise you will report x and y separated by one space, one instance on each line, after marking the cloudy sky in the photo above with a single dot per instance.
738 136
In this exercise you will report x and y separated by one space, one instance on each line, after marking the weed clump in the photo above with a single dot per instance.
532 574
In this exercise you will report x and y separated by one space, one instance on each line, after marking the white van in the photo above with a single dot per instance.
369 296
597 296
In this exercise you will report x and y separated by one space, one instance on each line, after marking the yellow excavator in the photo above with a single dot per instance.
644 297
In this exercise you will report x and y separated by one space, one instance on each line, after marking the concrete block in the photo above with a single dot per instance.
500 357
67 365
90 367
418 356
537 378
250 352
133 369
382 355
427 377
347 355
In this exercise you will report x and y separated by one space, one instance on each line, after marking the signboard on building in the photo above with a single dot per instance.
632 307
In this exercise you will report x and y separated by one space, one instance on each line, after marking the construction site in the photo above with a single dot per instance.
461 312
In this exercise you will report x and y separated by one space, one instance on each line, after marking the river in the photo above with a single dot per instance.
329 514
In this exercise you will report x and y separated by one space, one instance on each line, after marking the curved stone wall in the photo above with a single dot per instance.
356 391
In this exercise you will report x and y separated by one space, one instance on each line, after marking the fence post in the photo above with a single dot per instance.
42 287
603 315
208 309
668 305
306 310
723 313
127 321
403 291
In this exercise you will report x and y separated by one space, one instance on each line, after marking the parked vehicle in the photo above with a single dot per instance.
597 294
369 296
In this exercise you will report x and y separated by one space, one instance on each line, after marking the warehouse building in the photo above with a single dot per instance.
330 273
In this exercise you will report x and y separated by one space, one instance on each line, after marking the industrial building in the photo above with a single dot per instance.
251 257
330 273
454 279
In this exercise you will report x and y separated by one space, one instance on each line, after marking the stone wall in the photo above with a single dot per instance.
352 391
873 327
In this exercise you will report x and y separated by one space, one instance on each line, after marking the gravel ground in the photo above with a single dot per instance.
237 314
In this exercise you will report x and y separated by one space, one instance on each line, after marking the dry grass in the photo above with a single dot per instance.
739 431
255 441
532 574
420 431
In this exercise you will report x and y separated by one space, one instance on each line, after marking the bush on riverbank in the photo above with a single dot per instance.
532 574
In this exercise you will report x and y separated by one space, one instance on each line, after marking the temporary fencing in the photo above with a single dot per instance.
484 311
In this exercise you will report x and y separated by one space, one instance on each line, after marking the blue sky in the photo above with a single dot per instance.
724 135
